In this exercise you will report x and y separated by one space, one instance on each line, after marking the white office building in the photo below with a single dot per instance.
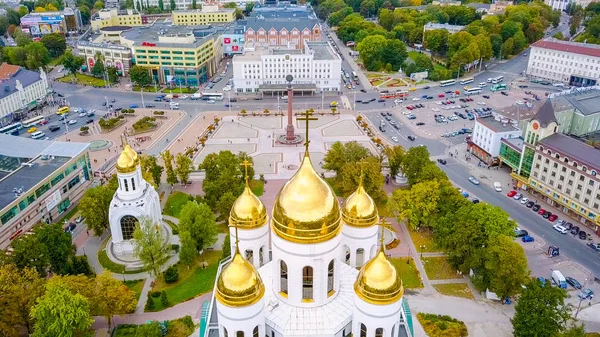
487 136
264 68
573 63
22 90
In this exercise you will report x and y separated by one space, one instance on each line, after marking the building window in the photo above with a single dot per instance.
379 332
363 330
128 223
255 332
284 277
126 185
307 284
132 184
360 253
239 334
330 278
249 256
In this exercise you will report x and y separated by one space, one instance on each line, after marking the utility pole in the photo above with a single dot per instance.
142 96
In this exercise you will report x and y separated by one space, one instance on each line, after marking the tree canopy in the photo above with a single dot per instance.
95 203
149 245
224 173
199 221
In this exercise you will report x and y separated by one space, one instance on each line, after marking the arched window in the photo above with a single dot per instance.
284 277
347 257
363 330
225 333
250 256
393 330
575 164
360 256
239 334
379 332
128 223
330 278
126 185
307 283
132 184
255 331
260 257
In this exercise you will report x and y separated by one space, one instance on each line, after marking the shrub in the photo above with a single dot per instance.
187 321
144 123
171 275
175 247
109 123
128 111
163 298
149 304
159 113
84 129
156 294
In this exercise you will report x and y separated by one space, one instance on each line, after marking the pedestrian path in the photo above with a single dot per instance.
144 295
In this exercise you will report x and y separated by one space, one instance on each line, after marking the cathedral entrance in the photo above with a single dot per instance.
128 223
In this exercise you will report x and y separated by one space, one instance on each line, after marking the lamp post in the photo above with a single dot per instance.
142 96
422 247
458 72
322 97
229 99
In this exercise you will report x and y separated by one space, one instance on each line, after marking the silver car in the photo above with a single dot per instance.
474 180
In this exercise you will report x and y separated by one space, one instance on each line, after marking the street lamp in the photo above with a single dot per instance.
458 72
422 247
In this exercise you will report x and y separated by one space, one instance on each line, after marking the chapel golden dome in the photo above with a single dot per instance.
128 160
306 209
248 211
378 281
239 284
360 209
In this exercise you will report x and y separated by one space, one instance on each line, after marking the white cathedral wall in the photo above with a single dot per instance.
297 256
355 238
129 192
241 319
253 240
375 316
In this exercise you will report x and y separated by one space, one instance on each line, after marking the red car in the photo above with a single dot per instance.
553 217
541 211
44 122
511 194
441 95
409 107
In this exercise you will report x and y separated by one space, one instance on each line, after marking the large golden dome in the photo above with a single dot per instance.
360 209
378 281
248 211
239 284
128 160
306 209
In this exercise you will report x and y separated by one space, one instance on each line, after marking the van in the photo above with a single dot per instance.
38 135
559 279
62 110
333 104
172 104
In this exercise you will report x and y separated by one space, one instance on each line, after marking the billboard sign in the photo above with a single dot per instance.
419 76
227 40
53 200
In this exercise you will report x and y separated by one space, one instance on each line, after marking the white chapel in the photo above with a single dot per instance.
313 269
134 198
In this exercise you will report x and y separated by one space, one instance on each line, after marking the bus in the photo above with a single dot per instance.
497 87
497 79
467 80
12 129
354 76
447 83
33 121
62 110
472 91
214 96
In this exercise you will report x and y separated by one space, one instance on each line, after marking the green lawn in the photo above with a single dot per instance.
423 237
413 54
409 273
438 268
257 187
175 202
136 286
192 281
442 326
82 79
149 88
455 289
107 263
70 214
180 91
174 227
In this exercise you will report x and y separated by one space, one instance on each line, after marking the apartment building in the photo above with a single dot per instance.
114 17
22 90
287 32
448 27
38 24
487 136
207 15
573 63
178 55
113 55
264 69
41 180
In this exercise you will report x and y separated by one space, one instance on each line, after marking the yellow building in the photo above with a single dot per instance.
113 17
206 15
174 54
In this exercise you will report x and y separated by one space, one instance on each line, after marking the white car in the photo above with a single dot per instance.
482 84
481 103
72 121
395 139
524 201
438 103
558 84
284 97
398 101
82 114
227 88
519 102
210 101
435 109
406 113
489 80
560 229
498 187
416 99
183 97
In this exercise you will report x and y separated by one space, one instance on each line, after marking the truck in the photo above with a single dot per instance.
559 279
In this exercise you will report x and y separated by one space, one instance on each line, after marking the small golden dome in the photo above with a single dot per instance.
378 281
248 211
306 209
239 284
360 209
128 160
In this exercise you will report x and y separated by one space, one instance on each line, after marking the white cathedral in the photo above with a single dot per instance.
296 273
134 198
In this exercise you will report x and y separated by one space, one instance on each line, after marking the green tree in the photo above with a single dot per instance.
113 297
417 167
249 8
19 290
161 5
21 39
574 331
167 158
13 17
72 62
149 245
151 329
98 68
187 252
55 43
139 76
418 205
223 174
183 167
558 36
199 221
59 312
194 4
94 206
508 48
98 5
3 25
15 55
342 153
85 14
506 266
29 253
350 175
540 311
156 171
172 5
436 40
225 203
59 247
226 249
112 74
23 11
37 56
395 156
394 54
371 51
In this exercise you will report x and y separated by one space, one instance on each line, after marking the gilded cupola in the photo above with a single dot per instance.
359 209
306 209
239 284
248 211
128 160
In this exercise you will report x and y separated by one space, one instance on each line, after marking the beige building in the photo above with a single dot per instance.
22 90
499 7
113 54
207 15
113 17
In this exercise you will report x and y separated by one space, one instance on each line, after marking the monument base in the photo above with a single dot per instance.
283 139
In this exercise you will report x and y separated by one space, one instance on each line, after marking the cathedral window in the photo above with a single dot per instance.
128 223
393 330
360 253
126 185
132 184
330 278
307 284
284 277
347 259
225 333
239 334
260 256
250 256
255 332
379 332
363 330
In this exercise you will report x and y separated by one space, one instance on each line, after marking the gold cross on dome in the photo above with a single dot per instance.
362 164
307 117
246 163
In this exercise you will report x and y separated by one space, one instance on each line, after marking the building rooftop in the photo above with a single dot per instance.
444 26
191 11
321 50
497 124
151 34
26 77
568 46
574 149
278 24
102 45
545 115
115 28
515 143
8 70
282 11
584 100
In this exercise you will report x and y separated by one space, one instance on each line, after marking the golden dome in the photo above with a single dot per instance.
360 209
306 209
239 284
378 281
128 160
248 211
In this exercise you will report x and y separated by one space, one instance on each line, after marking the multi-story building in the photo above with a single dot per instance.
113 55
561 5
40 181
289 32
448 27
264 69
112 4
233 40
41 23
22 90
179 55
487 136
207 15
563 61
499 7
113 17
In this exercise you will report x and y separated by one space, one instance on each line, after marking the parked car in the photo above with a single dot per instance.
523 201
582 235
568 225
560 229
573 282
134 106
520 232
420 124
530 204
547 215
518 196
594 246
575 230
511 193
411 137
536 207
527 238
79 219
474 180
441 161
553 217
586 294
498 187
541 211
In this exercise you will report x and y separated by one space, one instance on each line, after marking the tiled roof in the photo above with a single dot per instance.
574 149
26 77
571 47
8 70
545 115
